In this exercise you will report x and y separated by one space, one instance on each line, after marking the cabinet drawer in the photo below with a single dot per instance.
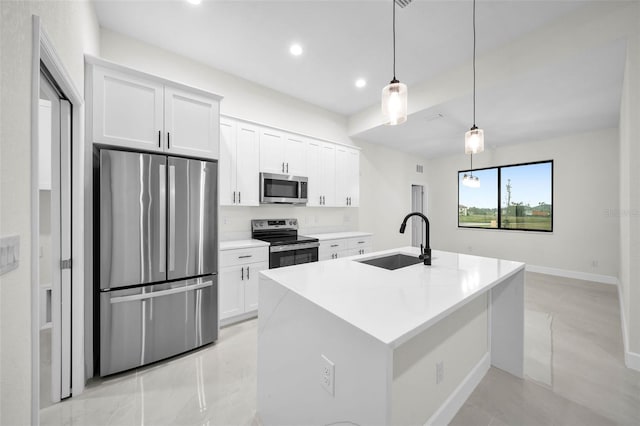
333 245
243 256
359 242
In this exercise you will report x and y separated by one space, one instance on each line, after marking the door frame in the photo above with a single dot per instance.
44 53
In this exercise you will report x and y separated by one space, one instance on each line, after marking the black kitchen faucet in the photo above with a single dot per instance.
426 251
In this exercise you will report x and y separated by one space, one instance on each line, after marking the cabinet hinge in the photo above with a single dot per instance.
65 264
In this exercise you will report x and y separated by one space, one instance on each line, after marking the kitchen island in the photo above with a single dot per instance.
346 342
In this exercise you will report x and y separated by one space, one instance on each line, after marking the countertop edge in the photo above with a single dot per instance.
397 342
241 244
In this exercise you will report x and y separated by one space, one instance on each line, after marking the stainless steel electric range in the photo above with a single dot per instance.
286 246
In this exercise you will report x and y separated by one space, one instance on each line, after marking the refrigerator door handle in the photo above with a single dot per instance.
152 295
162 222
172 217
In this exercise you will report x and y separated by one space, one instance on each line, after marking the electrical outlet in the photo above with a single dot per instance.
439 372
327 375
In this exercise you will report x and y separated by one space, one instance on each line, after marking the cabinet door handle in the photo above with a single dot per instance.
248 277
320 200
234 197
287 167
239 197
242 273
159 137
168 140
282 167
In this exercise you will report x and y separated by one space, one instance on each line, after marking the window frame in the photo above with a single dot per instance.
499 206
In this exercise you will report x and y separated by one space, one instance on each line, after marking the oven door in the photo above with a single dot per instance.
280 256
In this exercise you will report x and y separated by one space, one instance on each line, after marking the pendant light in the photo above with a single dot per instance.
469 179
394 95
474 138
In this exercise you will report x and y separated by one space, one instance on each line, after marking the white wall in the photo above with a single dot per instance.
386 177
73 29
629 275
585 224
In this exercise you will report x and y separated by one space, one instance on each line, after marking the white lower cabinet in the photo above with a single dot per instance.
343 247
238 282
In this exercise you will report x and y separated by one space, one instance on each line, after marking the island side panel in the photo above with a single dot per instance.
293 334
460 343
507 325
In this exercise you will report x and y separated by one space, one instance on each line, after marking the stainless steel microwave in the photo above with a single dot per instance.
283 189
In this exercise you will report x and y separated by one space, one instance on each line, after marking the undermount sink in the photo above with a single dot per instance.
392 261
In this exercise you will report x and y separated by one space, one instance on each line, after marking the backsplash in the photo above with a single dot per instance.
235 222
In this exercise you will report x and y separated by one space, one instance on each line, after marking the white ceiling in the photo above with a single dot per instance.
344 40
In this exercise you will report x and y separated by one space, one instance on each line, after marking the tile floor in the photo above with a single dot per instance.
574 367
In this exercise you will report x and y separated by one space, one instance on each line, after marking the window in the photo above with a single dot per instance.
518 196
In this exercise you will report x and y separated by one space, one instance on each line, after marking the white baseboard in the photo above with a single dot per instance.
458 397
631 359
598 278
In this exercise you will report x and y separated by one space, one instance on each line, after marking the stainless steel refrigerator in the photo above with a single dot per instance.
158 257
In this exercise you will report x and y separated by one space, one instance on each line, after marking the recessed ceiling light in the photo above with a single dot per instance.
295 49
196 2
360 83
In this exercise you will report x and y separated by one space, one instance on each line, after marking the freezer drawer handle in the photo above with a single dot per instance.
143 296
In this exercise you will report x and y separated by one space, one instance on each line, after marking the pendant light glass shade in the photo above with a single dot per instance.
394 103
471 181
474 141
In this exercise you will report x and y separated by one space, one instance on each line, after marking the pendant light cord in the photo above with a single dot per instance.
474 63
394 39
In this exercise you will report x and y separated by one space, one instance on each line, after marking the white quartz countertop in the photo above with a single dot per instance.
394 306
339 235
241 244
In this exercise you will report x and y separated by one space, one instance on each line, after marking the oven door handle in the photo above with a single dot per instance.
290 247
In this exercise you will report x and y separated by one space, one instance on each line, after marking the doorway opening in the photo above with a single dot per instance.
417 224
57 241
54 212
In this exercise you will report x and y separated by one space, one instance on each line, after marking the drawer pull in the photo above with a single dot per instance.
361 242
334 245
245 256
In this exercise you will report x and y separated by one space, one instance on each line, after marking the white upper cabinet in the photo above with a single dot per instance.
191 123
295 155
127 110
321 169
134 110
239 163
271 151
328 174
314 185
347 177
282 153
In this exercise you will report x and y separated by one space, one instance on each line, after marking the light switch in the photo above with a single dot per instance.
9 253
